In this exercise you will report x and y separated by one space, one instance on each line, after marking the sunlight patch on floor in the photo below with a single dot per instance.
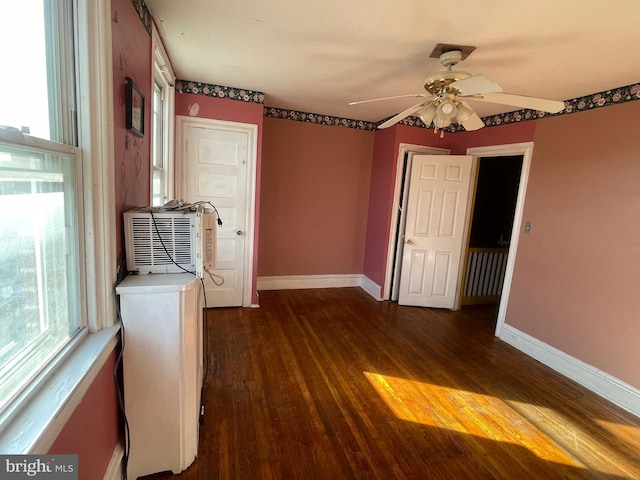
581 444
627 433
464 412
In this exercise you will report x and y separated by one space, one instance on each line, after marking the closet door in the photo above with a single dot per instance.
219 167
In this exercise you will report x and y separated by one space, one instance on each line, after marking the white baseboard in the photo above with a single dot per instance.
371 287
291 282
288 282
605 385
114 470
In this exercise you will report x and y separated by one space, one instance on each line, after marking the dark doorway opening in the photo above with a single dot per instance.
492 223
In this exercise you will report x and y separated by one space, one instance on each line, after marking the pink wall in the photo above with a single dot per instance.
383 168
221 109
315 181
502 135
92 430
231 111
131 58
422 136
574 282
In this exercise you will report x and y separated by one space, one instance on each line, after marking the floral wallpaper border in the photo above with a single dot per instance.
144 14
606 98
614 96
220 91
318 118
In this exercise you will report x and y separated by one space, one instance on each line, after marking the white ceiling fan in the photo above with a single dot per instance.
448 90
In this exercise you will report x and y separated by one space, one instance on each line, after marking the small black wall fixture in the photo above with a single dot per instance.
134 104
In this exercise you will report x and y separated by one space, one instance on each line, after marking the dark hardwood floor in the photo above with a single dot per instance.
331 384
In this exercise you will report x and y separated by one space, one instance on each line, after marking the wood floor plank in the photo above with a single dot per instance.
331 384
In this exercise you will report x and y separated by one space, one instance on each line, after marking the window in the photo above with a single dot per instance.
57 261
39 268
40 255
39 275
23 97
162 141
38 98
158 167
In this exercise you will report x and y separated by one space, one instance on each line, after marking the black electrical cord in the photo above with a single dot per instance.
119 363
155 226
205 334
190 206
205 327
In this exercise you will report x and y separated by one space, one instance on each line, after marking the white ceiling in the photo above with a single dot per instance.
316 56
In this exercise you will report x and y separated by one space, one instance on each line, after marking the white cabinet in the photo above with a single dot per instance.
162 368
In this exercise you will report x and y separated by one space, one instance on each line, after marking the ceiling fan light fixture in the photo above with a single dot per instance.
446 110
442 122
427 114
463 114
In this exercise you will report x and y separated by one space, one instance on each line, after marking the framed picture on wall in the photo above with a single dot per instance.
134 104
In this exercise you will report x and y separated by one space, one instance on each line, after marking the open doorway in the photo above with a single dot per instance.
523 150
491 228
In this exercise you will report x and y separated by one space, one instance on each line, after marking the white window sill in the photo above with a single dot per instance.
35 424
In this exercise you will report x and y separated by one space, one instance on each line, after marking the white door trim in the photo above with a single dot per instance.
526 150
182 123
403 149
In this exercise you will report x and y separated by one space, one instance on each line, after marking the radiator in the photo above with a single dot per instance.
485 272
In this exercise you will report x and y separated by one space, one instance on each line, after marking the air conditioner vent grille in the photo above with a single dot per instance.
174 237
169 241
156 243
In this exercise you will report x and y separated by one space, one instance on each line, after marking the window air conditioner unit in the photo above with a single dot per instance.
174 241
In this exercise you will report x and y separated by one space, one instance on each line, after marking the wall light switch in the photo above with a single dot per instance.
527 227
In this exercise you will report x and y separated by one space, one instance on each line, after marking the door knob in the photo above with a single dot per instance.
239 232
408 242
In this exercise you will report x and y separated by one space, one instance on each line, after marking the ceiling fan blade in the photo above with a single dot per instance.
532 103
402 115
476 84
473 121
415 95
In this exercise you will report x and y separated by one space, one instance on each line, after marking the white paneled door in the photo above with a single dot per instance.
435 230
217 170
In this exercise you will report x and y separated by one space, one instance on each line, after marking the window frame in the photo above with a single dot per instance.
163 75
73 188
32 423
